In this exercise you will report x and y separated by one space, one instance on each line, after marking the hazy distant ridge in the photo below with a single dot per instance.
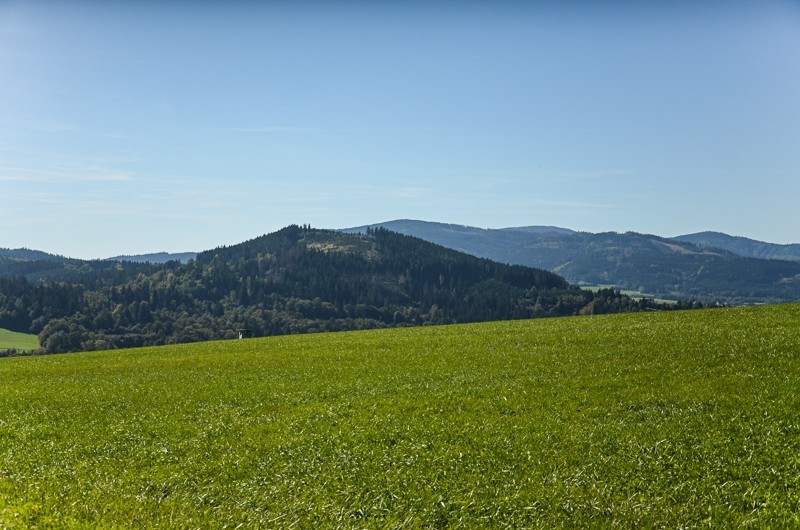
723 269
157 257
29 255
291 281
742 246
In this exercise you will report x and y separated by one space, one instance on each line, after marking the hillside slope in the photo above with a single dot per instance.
157 257
742 246
25 254
651 264
295 280
648 420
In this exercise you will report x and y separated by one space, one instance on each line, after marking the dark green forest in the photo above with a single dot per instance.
666 268
296 280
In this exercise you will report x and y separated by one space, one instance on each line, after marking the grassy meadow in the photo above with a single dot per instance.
17 341
673 419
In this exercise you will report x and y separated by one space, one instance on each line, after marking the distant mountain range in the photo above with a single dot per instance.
24 254
707 266
29 255
742 246
292 281
158 257
714 268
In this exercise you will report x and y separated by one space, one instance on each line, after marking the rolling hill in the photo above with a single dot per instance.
13 342
666 268
25 254
742 246
157 257
647 420
295 280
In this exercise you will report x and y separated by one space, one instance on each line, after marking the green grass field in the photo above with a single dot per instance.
673 419
18 341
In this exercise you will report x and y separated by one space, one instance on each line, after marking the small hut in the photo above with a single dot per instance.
244 333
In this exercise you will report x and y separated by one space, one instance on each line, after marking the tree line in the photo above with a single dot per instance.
296 280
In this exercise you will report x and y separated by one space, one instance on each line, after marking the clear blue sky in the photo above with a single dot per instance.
132 127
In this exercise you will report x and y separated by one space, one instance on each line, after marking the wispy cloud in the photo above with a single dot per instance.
368 192
590 174
555 203
268 130
52 127
63 175
409 192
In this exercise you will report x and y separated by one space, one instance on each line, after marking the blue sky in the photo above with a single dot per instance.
133 127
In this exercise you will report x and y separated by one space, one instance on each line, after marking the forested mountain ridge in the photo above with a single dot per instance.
664 267
156 257
295 280
742 246
26 254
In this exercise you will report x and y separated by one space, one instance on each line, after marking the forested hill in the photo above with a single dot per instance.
292 281
742 246
25 254
666 268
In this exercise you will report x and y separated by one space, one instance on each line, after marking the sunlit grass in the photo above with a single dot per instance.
641 420
22 342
